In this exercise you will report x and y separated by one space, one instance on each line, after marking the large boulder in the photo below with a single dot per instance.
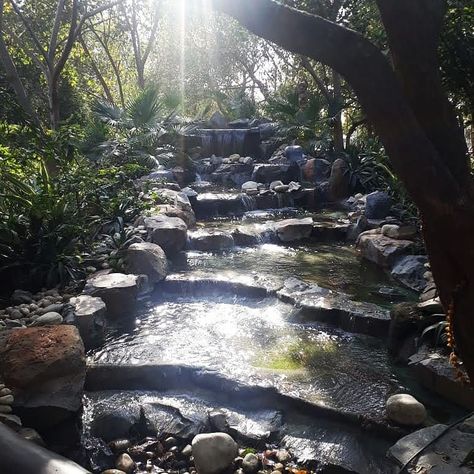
410 271
118 291
316 170
210 241
405 410
294 153
214 453
45 367
266 173
148 259
187 215
247 236
339 181
382 250
170 233
377 205
291 230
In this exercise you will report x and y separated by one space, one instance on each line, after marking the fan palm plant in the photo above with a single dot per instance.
137 133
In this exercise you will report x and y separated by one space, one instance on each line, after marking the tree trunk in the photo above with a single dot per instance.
338 133
53 101
435 172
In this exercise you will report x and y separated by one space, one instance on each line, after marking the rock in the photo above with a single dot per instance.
147 259
283 188
161 175
294 153
214 452
250 188
186 215
382 250
12 421
378 205
6 400
251 463
119 446
283 456
113 471
246 236
410 271
170 233
52 308
89 314
218 421
125 463
117 290
210 241
266 173
399 232
187 451
6 409
405 410
432 306
16 314
21 296
45 367
291 230
275 184
316 170
339 181
48 319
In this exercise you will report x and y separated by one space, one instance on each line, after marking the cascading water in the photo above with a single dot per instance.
225 142
249 203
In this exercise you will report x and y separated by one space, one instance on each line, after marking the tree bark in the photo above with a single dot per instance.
440 187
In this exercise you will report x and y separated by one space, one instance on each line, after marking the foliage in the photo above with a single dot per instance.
435 334
141 133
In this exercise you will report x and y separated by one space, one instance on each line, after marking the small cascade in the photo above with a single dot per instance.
249 202
225 142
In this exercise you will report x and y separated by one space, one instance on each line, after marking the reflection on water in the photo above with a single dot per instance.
334 266
257 342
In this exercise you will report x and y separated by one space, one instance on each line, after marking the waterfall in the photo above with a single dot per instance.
249 202
225 142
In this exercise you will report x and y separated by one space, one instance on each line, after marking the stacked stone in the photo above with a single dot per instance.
6 410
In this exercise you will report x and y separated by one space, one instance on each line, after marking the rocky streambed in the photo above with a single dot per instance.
265 324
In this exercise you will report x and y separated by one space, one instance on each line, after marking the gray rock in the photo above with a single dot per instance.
170 233
250 463
382 250
147 259
117 290
89 313
214 452
378 205
410 271
52 308
210 241
125 463
6 400
405 410
291 230
48 319
399 232
21 296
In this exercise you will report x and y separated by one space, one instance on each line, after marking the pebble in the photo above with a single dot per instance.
6 400
10 420
279 467
113 471
187 451
47 319
5 409
16 314
120 445
170 442
125 463
283 455
5 391
251 463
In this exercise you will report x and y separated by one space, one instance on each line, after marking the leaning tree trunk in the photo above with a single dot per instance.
419 134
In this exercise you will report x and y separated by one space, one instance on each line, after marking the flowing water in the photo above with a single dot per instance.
258 342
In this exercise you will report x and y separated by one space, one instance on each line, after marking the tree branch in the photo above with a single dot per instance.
367 70
53 43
